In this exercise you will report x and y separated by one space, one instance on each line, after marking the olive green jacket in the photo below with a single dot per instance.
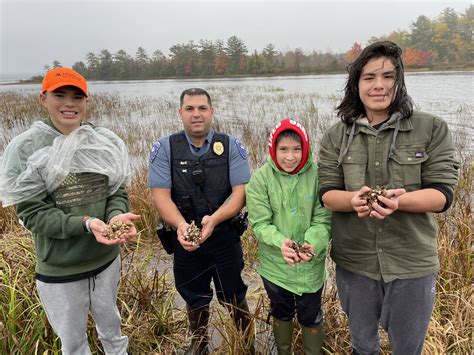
409 153
283 206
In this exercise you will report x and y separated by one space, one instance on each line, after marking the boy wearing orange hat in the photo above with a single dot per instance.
293 231
67 179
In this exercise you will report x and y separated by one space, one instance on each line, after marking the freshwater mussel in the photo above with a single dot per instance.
372 196
301 249
193 234
116 229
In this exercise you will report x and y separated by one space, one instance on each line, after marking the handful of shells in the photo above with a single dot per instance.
301 249
372 196
193 234
116 229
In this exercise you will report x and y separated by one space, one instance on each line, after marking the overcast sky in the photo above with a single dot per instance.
34 33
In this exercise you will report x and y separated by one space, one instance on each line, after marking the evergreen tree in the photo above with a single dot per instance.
236 51
123 64
269 55
81 68
92 65
207 57
105 69
184 58
57 65
422 34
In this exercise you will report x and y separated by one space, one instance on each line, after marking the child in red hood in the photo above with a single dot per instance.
293 231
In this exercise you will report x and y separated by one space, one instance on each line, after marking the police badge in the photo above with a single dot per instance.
218 148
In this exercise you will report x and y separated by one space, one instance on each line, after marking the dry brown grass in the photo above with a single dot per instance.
152 313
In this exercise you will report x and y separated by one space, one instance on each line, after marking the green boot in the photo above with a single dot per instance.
313 339
283 332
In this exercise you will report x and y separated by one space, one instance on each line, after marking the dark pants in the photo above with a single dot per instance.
402 307
284 304
219 259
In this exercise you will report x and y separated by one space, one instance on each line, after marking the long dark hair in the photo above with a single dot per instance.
351 106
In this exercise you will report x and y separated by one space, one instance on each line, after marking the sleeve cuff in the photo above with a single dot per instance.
323 190
446 190
76 226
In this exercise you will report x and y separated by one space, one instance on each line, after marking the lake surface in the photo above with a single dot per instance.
447 94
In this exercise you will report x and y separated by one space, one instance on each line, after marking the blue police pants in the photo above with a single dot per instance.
219 259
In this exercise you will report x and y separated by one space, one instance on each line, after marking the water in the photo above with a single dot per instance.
447 94
442 93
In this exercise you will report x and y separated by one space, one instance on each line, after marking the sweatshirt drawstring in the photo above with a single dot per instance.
343 153
93 287
393 148
395 118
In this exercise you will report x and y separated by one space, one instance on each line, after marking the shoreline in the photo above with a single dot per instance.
230 77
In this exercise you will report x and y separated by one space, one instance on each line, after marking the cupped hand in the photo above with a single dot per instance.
98 228
307 256
181 232
288 253
359 204
127 218
208 224
390 200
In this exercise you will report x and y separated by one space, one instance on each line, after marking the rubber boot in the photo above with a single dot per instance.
198 320
243 322
283 333
313 339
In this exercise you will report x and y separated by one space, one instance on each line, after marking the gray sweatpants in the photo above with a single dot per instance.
402 307
67 307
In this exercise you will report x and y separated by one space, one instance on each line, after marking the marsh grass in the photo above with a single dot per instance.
152 314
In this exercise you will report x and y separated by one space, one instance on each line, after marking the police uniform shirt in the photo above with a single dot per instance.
159 172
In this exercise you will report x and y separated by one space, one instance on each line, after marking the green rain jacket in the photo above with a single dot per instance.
283 206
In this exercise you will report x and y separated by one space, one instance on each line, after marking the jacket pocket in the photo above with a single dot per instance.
354 167
405 167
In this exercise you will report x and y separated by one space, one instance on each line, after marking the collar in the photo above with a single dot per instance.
361 124
50 123
205 146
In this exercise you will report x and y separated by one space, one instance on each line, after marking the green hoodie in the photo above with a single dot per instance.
283 206
63 247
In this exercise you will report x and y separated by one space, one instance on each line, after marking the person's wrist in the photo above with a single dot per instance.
84 219
87 223
180 225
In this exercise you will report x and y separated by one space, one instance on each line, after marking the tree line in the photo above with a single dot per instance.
444 42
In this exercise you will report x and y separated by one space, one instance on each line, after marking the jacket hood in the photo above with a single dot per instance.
289 124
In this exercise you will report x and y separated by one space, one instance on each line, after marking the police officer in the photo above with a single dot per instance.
200 175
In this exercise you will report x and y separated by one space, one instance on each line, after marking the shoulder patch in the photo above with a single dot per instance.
154 151
241 149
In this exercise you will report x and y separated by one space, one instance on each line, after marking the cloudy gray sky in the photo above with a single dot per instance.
34 33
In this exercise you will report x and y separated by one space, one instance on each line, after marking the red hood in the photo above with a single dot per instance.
289 124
